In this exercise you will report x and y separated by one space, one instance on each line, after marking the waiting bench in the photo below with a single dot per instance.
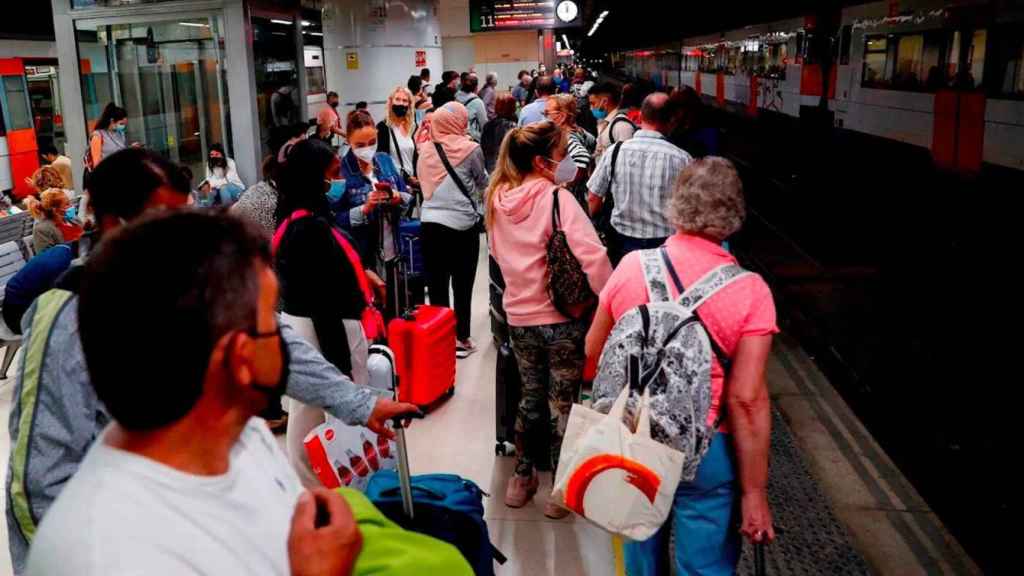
12 259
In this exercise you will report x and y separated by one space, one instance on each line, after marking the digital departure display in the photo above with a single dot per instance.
492 15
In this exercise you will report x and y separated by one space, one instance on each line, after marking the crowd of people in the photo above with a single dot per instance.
283 293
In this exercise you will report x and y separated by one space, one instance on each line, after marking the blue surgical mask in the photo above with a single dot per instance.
70 213
120 128
598 113
336 190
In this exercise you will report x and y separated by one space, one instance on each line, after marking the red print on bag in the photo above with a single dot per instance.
639 475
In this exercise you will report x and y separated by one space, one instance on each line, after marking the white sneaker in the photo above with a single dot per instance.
463 348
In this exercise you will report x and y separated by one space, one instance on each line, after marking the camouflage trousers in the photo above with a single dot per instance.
550 360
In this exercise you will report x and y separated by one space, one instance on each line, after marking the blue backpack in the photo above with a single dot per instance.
447 507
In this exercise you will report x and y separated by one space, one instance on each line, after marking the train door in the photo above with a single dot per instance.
23 152
958 134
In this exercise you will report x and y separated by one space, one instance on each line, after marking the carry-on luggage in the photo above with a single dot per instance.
509 391
423 340
496 289
445 506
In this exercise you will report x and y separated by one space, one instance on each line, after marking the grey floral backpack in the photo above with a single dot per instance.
674 352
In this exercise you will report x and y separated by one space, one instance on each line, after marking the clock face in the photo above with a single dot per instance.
567 11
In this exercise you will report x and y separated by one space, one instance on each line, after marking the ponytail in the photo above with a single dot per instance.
515 159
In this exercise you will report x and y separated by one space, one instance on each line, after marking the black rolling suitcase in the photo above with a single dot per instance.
496 290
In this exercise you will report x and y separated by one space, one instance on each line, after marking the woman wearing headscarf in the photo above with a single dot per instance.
452 175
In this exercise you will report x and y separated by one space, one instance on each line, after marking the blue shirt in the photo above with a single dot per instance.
533 112
348 210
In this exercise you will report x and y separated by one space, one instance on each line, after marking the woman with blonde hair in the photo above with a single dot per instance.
548 346
45 178
51 228
580 144
397 132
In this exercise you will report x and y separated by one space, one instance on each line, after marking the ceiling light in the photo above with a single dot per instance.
307 23
194 24
275 21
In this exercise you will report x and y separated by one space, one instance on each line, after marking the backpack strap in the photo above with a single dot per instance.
611 125
657 289
700 288
615 157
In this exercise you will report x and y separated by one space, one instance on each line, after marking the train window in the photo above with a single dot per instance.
18 116
1007 62
919 62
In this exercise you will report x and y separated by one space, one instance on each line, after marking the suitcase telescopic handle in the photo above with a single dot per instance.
404 476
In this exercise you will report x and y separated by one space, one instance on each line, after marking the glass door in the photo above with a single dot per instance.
168 75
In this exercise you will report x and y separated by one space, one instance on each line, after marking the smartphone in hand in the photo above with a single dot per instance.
385 189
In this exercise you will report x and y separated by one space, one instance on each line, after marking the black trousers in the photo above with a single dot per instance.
450 257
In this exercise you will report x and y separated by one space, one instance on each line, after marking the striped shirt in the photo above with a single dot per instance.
646 168
581 145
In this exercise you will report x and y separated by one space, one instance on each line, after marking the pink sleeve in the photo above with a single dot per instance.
625 289
760 320
584 242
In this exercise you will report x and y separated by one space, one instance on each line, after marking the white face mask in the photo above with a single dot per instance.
566 170
365 153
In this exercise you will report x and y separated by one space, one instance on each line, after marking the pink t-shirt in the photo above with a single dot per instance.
743 308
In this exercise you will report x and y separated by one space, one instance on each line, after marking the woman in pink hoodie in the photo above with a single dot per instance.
548 346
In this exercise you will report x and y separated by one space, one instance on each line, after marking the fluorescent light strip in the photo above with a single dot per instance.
275 21
307 23
314 33
194 24
597 23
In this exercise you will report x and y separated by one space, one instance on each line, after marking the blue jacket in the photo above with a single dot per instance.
348 208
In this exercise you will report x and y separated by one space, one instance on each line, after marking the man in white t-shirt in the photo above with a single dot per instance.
178 326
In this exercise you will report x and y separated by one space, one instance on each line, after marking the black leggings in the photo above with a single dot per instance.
450 257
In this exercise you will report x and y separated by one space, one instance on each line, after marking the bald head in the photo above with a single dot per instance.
655 112
545 87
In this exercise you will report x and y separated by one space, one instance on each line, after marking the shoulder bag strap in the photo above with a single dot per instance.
396 148
455 177
556 215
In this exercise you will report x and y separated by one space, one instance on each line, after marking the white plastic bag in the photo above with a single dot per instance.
622 481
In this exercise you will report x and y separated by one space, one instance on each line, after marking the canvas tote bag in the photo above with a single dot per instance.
622 481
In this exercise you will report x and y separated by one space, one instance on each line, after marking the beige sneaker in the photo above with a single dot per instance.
520 490
554 511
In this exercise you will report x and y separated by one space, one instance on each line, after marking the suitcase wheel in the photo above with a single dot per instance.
450 392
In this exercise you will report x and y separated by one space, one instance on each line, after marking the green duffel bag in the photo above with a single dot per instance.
390 549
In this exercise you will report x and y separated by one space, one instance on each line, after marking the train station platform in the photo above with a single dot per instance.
839 503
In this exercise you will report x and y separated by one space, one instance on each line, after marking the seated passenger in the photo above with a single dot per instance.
67 415
222 176
59 162
706 206
185 478
51 227
374 197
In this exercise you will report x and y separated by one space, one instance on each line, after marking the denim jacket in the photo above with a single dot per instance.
348 208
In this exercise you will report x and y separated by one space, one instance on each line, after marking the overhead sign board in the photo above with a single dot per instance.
494 15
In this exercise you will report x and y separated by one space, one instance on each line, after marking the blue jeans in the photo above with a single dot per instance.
705 517
229 193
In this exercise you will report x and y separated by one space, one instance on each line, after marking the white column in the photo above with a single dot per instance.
241 75
383 39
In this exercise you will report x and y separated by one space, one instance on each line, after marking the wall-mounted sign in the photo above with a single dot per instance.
493 15
421 58
352 60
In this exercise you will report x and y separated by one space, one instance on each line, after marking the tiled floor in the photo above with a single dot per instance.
458 437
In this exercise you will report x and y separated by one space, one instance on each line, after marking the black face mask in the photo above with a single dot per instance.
400 110
333 104
276 390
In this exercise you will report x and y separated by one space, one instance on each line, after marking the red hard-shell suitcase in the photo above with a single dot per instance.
423 341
